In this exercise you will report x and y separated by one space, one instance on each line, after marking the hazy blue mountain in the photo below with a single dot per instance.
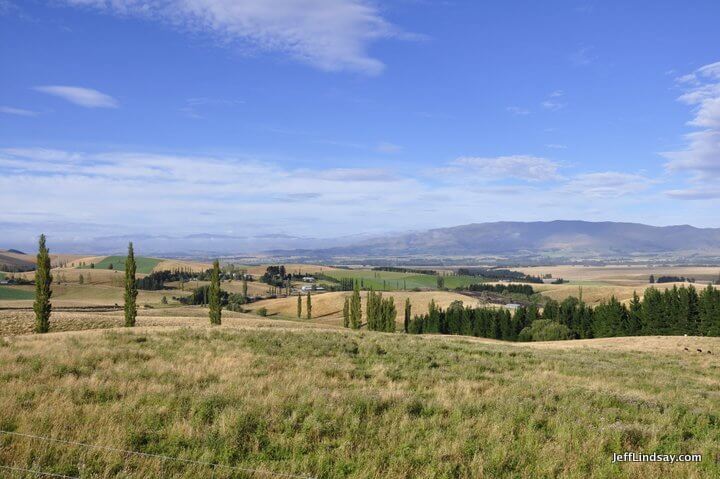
571 238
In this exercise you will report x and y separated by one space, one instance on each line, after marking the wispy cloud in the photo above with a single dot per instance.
387 147
553 102
608 184
701 157
9 110
86 97
328 34
518 111
521 167
583 56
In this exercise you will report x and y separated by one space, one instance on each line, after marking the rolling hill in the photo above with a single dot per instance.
565 238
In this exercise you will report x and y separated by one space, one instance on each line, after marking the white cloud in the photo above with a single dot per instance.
86 97
523 167
9 110
694 193
608 184
329 34
701 157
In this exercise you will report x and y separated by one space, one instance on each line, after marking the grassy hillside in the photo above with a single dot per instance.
362 405
144 265
16 293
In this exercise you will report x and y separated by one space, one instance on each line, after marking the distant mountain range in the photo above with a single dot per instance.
547 241
569 239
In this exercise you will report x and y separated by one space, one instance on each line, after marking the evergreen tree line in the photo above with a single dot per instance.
671 279
672 312
499 274
395 269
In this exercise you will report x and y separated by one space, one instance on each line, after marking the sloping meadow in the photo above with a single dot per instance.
349 404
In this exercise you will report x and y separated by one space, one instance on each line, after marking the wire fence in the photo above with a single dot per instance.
213 467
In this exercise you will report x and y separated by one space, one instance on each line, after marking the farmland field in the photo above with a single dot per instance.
16 293
144 265
390 280
287 397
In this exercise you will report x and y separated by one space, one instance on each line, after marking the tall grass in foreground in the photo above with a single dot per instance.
348 404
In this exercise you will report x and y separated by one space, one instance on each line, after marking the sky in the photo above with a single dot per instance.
329 118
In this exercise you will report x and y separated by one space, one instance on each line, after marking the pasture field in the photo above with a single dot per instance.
391 280
327 307
145 265
624 275
16 293
294 398
78 295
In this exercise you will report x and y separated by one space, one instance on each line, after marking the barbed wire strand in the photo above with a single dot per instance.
37 473
160 456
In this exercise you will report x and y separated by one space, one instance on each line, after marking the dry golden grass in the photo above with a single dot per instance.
285 396
327 307
623 274
70 295
594 294
172 265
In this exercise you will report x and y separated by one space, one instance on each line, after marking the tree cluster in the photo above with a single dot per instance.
381 312
672 312
499 274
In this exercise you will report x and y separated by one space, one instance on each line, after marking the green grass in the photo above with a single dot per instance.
2 275
390 280
144 265
345 404
15 293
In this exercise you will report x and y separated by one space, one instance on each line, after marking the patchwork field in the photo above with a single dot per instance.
287 397
390 280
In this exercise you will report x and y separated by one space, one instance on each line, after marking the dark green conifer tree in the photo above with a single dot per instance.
43 280
131 290
408 313
309 306
214 300
355 309
299 306
346 313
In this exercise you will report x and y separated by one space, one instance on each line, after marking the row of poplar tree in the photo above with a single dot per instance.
42 305
674 311
380 312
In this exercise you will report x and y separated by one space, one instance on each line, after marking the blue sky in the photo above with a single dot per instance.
337 117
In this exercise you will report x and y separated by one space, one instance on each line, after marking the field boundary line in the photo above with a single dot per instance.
39 473
159 456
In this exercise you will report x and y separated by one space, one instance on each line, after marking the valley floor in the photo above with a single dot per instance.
297 397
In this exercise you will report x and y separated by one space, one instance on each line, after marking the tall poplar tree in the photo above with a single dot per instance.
299 306
355 309
131 290
214 293
309 307
346 313
43 280
408 312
